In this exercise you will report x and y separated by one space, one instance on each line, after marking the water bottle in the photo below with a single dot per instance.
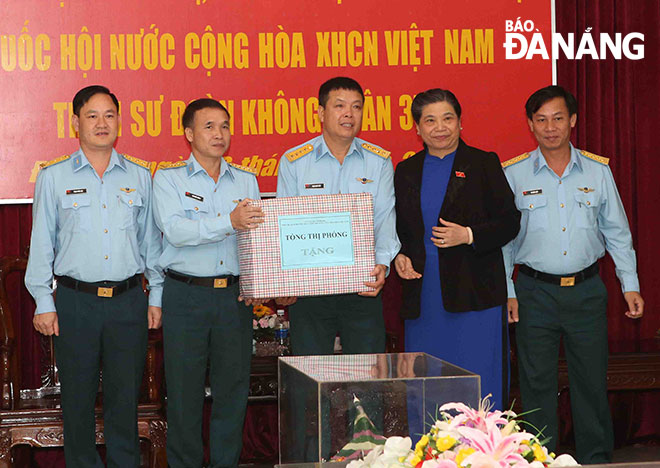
282 334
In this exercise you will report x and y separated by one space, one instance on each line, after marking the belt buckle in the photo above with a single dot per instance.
220 283
104 292
567 281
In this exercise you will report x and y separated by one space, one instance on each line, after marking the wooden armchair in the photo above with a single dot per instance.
34 416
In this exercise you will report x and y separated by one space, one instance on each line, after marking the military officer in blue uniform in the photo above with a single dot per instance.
571 214
93 232
338 162
199 204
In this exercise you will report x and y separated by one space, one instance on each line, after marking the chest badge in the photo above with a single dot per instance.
586 189
194 196
127 190
537 191
76 191
313 186
460 174
363 180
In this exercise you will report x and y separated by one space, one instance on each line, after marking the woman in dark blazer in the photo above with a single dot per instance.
455 211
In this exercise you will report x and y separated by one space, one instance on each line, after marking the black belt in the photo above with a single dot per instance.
209 282
561 280
100 288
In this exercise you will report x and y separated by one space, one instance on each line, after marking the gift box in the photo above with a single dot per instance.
308 246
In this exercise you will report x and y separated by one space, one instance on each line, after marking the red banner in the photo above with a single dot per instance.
265 62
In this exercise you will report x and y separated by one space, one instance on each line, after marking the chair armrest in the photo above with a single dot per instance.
9 365
152 382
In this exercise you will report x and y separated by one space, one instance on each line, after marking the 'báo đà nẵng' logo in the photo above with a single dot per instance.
524 41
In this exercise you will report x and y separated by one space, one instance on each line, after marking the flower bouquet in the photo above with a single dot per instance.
264 325
466 438
264 321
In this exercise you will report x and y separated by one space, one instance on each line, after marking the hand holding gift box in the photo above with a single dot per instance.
309 246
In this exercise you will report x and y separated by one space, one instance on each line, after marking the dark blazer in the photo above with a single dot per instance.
472 276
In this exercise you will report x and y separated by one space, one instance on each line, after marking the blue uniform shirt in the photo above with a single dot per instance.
568 222
92 229
192 211
366 168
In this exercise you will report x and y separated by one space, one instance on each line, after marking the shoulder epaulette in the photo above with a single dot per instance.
595 157
517 159
243 168
299 153
138 161
170 165
54 161
376 150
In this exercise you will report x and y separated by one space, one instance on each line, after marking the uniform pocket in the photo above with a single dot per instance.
76 213
524 283
194 209
130 205
534 209
586 210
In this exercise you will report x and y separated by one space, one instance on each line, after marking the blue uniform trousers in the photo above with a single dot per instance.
577 315
205 328
100 332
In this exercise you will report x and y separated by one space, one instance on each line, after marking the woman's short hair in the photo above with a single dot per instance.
431 96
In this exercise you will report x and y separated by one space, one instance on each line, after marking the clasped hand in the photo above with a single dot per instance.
246 216
449 235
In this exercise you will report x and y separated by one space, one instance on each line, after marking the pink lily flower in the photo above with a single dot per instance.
502 449
481 418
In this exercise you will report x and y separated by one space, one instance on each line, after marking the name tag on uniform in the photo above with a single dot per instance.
76 191
313 186
537 191
194 196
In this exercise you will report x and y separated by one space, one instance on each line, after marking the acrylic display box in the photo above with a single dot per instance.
321 396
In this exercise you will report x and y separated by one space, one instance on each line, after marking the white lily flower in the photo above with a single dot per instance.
564 460
357 464
395 448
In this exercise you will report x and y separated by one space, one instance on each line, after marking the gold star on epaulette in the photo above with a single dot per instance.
171 165
54 161
376 150
595 157
244 168
299 153
517 159
138 161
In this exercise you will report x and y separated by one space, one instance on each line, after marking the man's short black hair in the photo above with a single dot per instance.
431 96
85 94
188 118
543 95
338 82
